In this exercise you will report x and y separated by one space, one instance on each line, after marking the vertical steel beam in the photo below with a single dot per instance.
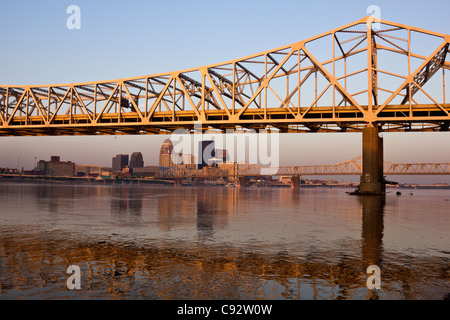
369 67
443 85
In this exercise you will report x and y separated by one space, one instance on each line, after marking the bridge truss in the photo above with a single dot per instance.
339 81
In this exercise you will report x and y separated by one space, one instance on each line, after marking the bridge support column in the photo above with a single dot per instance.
242 181
372 178
295 182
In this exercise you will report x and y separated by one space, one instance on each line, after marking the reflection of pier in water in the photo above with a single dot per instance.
372 214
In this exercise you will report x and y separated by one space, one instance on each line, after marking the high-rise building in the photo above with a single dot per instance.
205 152
165 154
136 160
119 162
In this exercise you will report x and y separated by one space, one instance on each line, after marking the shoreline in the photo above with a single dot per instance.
128 182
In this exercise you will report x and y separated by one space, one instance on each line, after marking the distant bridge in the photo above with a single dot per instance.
350 167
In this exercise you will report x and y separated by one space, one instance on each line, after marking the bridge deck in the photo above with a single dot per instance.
323 119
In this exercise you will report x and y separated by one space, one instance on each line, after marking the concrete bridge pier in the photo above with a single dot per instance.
295 182
372 178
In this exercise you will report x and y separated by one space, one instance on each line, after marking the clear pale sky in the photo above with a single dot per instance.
121 39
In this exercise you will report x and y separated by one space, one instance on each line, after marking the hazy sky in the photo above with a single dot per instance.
121 39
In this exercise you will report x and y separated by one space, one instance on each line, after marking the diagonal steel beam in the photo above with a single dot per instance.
39 106
4 93
288 98
266 81
431 98
113 92
18 103
133 102
332 79
430 69
158 100
411 77
188 96
82 103
59 105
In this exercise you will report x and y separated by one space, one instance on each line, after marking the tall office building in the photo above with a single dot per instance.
165 154
119 162
136 160
205 152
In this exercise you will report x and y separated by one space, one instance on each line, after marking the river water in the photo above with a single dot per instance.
165 242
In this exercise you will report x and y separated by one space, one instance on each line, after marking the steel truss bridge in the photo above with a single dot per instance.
342 80
350 167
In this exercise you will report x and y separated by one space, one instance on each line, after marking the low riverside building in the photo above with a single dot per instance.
87 170
148 171
56 168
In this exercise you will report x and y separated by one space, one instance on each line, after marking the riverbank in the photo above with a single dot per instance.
134 181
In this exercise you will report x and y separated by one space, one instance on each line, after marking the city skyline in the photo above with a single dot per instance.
135 57
310 152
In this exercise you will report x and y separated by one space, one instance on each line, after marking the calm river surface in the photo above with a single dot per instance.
162 242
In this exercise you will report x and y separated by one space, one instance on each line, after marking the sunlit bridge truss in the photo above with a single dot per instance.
342 80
